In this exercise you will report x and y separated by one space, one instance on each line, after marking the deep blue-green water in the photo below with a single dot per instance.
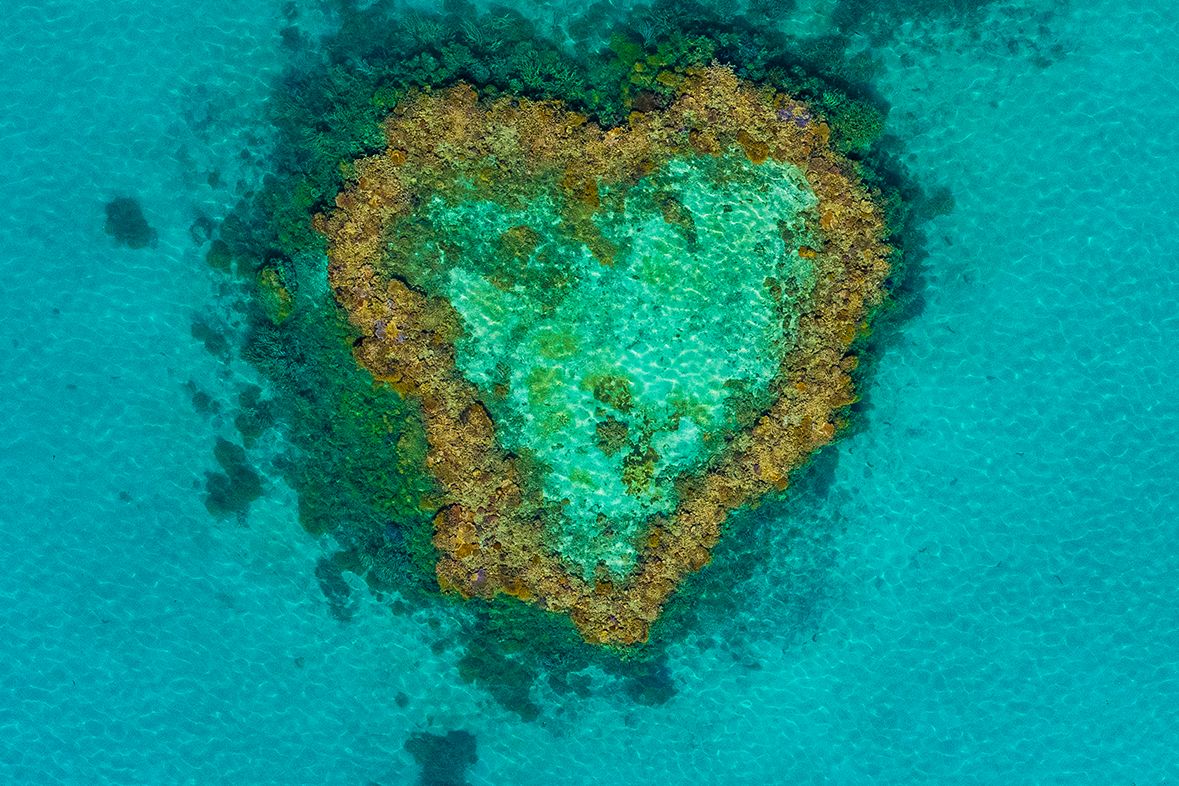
986 593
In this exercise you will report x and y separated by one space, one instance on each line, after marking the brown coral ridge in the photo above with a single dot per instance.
491 531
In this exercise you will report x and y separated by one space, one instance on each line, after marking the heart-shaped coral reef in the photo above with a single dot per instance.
617 336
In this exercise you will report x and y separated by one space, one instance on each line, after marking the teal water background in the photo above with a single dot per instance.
985 594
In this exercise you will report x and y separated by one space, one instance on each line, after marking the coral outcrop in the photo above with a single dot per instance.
391 262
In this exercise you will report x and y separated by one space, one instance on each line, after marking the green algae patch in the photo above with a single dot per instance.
616 336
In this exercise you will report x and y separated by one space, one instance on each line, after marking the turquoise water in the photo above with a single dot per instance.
983 591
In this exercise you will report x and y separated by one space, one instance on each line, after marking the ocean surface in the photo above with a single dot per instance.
987 592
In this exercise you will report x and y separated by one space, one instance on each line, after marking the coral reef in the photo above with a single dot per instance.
355 451
493 531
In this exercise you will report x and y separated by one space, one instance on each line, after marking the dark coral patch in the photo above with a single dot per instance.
651 684
329 572
126 223
444 758
231 491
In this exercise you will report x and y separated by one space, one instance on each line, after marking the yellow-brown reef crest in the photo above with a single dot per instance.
490 530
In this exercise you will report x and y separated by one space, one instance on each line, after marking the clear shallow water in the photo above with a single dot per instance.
986 593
